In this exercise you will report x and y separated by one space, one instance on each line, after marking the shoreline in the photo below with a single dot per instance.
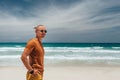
64 73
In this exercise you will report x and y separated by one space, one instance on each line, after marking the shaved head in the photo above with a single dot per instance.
37 27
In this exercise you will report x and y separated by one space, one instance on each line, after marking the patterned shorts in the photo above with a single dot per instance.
33 77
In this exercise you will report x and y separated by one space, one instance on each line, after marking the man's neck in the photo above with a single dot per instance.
39 39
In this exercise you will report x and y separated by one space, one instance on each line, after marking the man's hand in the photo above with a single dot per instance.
36 71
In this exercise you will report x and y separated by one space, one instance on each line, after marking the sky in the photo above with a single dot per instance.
93 21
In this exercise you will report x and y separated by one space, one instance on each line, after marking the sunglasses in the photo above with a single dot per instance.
43 31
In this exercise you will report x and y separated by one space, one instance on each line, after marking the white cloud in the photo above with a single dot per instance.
79 17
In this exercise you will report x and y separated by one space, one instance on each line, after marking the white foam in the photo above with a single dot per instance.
116 47
81 58
9 56
81 50
11 49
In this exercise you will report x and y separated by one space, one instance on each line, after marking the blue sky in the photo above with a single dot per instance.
66 20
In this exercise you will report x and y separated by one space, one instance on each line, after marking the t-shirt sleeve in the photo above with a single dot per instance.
29 46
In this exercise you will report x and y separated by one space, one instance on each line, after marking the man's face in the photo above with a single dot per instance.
41 31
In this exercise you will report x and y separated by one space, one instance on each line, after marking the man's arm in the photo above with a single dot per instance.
25 60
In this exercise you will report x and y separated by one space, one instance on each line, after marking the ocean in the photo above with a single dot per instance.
65 54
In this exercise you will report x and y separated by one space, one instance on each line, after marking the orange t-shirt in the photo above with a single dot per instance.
37 53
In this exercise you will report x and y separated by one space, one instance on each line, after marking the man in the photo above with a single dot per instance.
35 53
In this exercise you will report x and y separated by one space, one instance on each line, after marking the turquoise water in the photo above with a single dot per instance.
65 53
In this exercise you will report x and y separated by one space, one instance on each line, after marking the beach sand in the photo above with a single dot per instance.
65 73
